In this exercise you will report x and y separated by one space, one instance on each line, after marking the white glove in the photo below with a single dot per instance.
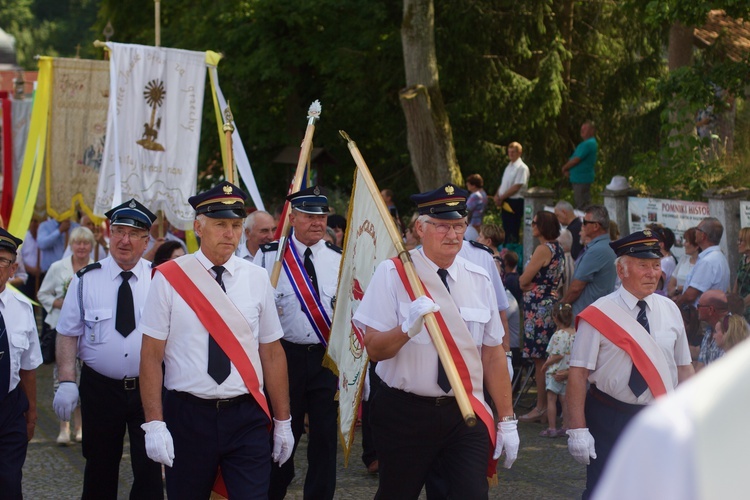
507 437
159 444
283 440
581 445
414 323
66 400
510 367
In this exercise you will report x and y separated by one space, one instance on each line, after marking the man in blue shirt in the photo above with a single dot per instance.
595 273
711 271
580 166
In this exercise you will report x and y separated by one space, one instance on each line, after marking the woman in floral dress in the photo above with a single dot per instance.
540 281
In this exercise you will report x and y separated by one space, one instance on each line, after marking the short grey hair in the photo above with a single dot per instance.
565 206
250 219
81 233
712 228
599 214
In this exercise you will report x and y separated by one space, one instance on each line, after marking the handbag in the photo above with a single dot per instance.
47 344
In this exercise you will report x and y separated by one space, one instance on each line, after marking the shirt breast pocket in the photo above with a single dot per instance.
20 343
286 302
476 320
251 312
95 322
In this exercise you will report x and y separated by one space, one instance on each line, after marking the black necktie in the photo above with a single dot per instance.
218 362
637 383
310 268
4 360
442 378
125 315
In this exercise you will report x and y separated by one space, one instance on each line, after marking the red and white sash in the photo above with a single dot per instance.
306 294
220 317
625 332
459 340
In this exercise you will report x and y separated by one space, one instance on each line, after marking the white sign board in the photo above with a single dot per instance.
677 215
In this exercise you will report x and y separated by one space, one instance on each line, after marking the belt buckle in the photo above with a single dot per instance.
130 383
223 403
441 400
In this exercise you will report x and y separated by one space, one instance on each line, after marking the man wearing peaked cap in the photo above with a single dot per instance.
211 320
101 331
631 346
417 424
314 266
19 344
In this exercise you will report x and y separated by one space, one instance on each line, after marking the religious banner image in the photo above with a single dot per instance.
76 133
367 245
677 215
153 129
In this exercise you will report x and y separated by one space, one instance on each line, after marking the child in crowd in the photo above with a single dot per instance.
559 359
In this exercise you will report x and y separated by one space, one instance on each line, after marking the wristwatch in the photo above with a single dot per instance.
510 418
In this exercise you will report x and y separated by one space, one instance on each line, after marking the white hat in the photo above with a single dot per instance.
618 183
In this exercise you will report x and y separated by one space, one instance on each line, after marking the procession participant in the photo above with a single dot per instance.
305 296
259 230
210 318
415 418
631 346
97 324
19 357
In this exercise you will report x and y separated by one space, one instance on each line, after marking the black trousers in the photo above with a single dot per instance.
512 221
312 390
606 418
412 434
107 410
369 452
13 443
206 437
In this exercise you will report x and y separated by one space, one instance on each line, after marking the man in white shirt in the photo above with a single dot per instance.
97 324
515 179
260 229
711 271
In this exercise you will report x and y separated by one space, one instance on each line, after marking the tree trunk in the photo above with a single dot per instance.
679 54
429 135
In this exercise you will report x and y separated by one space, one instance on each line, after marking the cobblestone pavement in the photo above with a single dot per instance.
544 469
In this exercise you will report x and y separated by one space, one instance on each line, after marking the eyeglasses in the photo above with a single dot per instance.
5 263
586 222
120 233
700 230
443 228
702 305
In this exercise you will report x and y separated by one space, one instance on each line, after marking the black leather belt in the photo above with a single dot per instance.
216 403
415 398
306 347
618 405
127 383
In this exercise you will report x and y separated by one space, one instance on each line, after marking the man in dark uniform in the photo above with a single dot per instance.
98 325
19 357
314 267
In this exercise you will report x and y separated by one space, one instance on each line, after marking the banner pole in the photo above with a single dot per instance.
432 326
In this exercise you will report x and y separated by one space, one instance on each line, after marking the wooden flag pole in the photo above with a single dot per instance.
432 326
313 113
228 130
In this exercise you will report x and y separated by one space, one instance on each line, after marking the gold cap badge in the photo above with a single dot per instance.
227 189
449 190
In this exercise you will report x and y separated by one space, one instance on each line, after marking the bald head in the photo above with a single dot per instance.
259 230
712 306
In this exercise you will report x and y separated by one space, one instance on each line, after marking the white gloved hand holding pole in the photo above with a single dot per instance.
581 445
507 439
66 400
417 310
283 440
159 444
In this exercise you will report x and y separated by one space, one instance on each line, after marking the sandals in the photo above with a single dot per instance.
534 415
549 433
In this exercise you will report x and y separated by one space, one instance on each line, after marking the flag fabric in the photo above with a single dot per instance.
153 129
20 122
76 134
367 245
15 129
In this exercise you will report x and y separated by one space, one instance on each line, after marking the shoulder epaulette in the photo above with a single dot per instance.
483 247
334 247
270 247
84 270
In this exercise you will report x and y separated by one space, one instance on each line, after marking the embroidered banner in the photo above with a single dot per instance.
153 129
367 244
76 134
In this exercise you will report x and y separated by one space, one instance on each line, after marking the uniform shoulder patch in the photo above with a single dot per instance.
483 247
90 267
334 247
269 247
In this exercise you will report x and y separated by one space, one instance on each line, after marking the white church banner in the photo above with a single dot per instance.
153 129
